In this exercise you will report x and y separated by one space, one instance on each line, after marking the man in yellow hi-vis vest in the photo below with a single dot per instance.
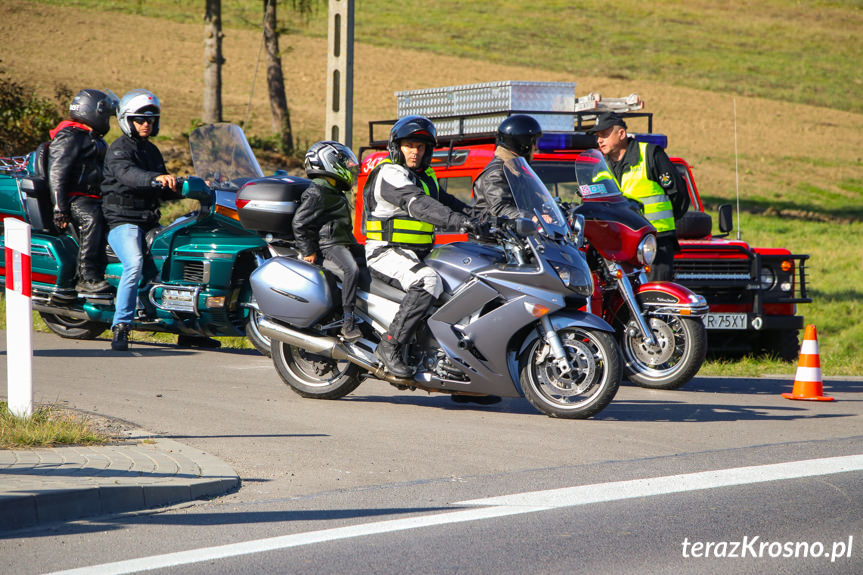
402 203
647 176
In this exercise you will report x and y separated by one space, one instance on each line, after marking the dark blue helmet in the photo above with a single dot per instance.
412 128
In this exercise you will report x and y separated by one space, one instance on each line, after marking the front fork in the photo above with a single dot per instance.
561 361
625 287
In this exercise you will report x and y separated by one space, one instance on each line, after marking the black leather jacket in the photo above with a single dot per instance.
128 196
75 158
323 218
491 192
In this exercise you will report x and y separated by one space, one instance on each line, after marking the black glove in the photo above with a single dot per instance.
61 219
477 227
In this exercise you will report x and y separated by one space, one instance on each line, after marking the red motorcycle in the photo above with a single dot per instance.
659 325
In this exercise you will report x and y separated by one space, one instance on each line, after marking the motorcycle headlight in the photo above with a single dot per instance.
647 250
574 281
767 278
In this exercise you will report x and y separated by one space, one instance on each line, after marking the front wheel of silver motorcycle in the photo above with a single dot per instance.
312 375
586 389
681 345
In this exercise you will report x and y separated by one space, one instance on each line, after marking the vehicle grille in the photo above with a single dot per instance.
712 270
195 272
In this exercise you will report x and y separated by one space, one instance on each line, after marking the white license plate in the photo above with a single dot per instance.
725 321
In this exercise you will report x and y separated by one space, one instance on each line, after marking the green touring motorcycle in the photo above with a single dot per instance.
196 270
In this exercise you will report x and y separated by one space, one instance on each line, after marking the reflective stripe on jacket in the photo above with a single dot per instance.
636 185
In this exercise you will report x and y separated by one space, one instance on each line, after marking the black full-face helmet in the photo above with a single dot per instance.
416 128
519 134
94 108
333 160
138 103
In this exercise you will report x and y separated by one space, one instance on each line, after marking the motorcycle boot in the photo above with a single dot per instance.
411 312
92 286
390 353
350 331
120 341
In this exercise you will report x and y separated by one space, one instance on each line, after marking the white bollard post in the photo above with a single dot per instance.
19 317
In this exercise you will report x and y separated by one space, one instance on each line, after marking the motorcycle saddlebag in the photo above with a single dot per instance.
292 291
267 205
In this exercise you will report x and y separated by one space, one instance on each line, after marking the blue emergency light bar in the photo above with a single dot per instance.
581 141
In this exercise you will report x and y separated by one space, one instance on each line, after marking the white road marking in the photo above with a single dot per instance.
494 507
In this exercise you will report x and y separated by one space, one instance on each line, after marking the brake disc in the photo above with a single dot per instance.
583 371
653 355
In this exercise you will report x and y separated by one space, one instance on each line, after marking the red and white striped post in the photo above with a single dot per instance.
19 317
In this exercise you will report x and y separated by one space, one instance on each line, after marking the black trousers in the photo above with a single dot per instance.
90 223
662 269
345 266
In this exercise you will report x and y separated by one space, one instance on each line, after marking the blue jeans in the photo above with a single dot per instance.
127 241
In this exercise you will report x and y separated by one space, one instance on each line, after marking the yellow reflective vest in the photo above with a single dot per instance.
402 229
636 185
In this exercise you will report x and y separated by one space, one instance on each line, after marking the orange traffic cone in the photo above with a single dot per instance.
807 381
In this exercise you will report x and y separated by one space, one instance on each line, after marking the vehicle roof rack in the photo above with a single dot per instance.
470 113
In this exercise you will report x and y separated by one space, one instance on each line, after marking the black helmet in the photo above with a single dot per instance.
94 108
518 133
333 160
412 128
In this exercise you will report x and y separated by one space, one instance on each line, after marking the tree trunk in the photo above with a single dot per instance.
212 103
276 81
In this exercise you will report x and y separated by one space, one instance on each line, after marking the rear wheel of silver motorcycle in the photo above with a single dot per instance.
583 392
677 357
312 375
71 328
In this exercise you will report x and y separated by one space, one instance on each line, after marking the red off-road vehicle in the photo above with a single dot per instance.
752 292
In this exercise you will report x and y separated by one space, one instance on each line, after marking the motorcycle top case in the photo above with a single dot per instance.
267 205
291 291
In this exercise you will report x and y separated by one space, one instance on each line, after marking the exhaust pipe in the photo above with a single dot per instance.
319 345
325 346
61 311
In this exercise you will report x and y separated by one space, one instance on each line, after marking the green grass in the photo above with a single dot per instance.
47 426
806 51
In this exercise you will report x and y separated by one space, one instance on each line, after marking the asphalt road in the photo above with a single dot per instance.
389 481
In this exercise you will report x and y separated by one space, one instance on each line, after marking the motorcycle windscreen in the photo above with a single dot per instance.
291 291
595 180
533 199
221 154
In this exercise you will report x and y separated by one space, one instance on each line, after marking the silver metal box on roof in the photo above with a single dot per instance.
483 106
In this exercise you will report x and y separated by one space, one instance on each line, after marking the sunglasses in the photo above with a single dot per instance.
143 120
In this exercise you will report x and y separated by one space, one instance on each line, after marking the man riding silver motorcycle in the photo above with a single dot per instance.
403 203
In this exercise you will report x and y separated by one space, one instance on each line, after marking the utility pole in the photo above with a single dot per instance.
340 72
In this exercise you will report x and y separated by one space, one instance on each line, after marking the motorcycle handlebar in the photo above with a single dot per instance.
154 183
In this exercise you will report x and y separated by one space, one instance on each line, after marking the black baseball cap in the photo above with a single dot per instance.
607 120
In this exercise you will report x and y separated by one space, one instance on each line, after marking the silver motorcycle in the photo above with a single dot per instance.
507 323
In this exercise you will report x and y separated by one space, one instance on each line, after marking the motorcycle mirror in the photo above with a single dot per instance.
578 229
196 189
726 218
